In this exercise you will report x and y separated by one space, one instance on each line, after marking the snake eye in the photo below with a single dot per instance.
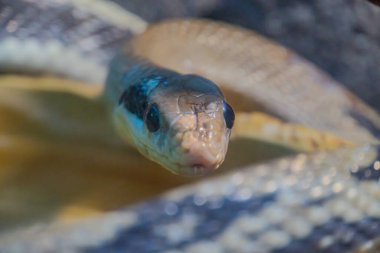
229 115
152 118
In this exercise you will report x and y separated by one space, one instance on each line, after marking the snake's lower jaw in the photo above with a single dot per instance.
200 161
200 158
196 170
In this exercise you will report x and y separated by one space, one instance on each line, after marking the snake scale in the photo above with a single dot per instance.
322 202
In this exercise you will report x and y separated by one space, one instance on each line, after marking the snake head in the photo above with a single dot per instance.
185 125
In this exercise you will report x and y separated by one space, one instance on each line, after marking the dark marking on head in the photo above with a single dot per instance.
152 118
135 97
194 84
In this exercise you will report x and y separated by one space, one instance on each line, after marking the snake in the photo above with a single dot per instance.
164 89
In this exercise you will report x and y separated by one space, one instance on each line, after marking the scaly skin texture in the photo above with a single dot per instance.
324 202
263 127
257 68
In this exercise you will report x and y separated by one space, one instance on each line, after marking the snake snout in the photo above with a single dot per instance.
202 155
203 160
201 140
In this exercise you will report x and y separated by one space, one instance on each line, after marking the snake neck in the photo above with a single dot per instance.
126 70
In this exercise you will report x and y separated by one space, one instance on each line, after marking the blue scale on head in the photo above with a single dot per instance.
135 97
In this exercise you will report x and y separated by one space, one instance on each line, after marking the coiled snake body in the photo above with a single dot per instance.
327 201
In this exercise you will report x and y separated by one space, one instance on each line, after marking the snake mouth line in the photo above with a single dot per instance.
184 169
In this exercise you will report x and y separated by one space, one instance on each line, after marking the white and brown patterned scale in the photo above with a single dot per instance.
323 202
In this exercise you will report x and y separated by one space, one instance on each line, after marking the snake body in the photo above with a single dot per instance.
325 202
